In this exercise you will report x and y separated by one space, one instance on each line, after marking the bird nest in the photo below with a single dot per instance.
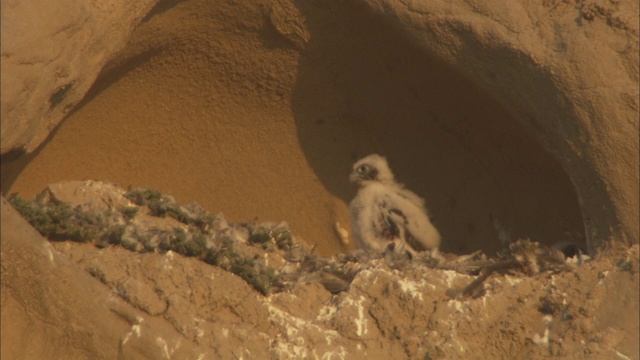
266 255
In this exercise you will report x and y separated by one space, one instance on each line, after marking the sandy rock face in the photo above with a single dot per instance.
77 300
572 83
50 309
51 55
513 120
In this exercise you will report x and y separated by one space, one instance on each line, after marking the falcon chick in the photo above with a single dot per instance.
385 215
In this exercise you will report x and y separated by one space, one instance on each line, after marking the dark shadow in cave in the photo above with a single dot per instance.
362 87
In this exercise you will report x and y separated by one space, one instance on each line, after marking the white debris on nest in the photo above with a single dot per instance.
361 321
458 306
168 258
544 339
327 312
511 280
577 260
167 351
199 331
621 355
136 330
48 250
369 276
339 353
414 288
450 275
430 280
603 275
456 343
291 344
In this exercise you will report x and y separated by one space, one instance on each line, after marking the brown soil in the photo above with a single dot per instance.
67 300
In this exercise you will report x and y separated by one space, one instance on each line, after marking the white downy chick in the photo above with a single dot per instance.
384 212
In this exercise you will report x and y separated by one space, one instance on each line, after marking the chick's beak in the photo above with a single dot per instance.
354 178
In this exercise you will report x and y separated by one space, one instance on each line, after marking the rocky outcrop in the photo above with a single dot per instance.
53 309
68 299
512 120
51 55
569 73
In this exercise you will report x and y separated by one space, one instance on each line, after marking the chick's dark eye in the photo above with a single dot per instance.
363 169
